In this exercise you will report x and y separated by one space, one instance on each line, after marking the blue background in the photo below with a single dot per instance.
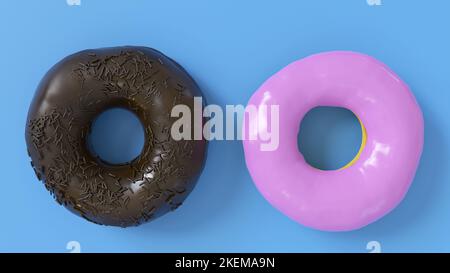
230 48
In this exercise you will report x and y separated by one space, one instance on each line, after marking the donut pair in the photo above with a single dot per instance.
80 87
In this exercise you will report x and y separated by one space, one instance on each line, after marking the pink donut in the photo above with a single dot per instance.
378 178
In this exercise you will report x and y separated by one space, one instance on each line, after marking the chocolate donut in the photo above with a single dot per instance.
73 93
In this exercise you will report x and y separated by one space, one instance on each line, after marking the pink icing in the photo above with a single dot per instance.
354 197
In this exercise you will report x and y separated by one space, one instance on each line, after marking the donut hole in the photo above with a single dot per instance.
329 137
116 137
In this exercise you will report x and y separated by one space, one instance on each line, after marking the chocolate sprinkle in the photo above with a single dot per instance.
78 89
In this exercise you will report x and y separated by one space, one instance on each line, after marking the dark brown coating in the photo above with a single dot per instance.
68 99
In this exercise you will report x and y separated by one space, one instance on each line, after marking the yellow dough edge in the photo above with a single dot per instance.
361 148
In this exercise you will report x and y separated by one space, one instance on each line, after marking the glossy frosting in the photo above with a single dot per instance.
366 190
68 99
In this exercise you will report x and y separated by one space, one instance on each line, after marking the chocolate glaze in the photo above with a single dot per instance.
68 99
